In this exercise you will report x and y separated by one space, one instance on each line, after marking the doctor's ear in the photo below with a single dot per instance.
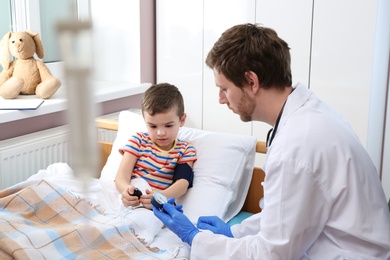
252 80
251 77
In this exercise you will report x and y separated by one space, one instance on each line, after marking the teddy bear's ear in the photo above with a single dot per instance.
38 44
4 51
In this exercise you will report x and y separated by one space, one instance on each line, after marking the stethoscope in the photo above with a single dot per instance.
272 132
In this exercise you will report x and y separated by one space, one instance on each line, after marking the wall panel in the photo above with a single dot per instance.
220 15
342 57
179 51
292 21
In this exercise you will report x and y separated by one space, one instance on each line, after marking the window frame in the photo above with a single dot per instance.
26 16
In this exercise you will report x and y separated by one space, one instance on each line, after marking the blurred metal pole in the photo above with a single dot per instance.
76 47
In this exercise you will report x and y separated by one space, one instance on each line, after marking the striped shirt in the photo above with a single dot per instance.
157 166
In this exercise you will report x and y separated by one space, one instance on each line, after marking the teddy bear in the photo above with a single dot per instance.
25 75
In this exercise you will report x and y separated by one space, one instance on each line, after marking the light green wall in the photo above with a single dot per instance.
51 12
5 18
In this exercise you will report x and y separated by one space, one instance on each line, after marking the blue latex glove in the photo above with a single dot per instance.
179 207
215 225
175 220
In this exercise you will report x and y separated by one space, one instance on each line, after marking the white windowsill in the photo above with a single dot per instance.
105 91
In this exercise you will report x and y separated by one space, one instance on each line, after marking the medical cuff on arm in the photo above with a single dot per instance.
183 171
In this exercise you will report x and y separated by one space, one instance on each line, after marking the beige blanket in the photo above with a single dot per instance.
44 221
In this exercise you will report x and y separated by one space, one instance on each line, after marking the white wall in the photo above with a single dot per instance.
379 119
386 148
218 16
331 54
332 47
342 57
116 34
179 34
296 31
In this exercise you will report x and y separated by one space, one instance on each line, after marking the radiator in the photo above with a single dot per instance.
24 156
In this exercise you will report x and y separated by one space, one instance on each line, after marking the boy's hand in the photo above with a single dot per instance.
146 199
128 199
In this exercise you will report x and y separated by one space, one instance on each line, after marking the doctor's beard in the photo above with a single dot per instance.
245 108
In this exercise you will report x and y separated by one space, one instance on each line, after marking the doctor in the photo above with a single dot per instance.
322 195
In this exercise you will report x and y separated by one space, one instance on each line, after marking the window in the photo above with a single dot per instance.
5 19
41 16
50 12
116 33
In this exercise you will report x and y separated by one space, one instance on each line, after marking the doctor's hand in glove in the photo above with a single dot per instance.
173 217
215 225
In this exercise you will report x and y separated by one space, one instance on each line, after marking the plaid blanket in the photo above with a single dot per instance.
45 221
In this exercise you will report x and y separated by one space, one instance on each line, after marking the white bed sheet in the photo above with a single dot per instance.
105 195
222 175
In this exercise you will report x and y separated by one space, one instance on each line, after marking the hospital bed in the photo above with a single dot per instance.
52 215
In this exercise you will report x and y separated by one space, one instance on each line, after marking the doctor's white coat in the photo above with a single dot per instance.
322 195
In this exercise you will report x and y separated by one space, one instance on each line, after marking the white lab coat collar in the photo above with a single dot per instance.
295 100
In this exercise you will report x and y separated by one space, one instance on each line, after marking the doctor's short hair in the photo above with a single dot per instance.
162 97
252 47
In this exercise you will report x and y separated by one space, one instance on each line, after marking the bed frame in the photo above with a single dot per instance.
255 192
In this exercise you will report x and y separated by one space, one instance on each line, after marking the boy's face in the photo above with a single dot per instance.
164 127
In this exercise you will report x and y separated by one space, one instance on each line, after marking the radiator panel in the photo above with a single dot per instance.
24 156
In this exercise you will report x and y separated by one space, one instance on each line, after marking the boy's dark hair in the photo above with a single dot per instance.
251 47
162 97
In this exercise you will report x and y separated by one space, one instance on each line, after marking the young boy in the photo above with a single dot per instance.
157 157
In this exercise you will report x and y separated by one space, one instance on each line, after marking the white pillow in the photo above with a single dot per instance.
222 173
128 124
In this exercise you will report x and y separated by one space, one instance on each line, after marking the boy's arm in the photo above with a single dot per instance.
178 188
125 170
123 177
